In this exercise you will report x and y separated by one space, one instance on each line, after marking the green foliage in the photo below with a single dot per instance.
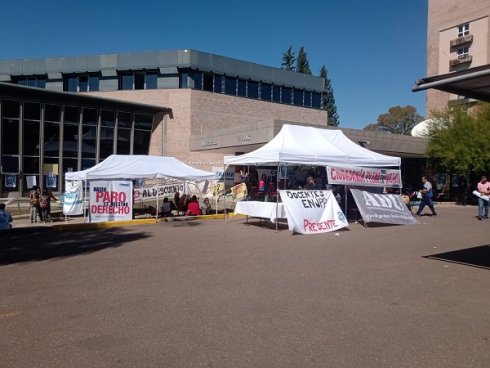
398 120
302 63
460 140
288 60
329 99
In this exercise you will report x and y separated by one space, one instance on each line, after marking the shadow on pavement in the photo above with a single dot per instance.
475 257
39 244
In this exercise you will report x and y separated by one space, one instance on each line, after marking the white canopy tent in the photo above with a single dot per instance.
300 145
140 166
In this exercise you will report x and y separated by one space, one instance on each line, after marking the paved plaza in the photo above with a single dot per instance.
206 293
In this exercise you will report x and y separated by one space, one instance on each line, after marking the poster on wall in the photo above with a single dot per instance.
73 198
312 211
51 181
10 181
110 200
31 180
382 208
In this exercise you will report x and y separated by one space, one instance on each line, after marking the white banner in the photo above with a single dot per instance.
73 198
362 176
384 208
158 191
312 211
111 200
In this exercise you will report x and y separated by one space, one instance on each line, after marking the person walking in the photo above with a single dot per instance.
427 195
483 188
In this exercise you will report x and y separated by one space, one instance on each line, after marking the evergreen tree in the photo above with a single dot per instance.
302 63
329 99
288 60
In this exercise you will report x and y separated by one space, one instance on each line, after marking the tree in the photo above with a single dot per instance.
459 139
329 99
288 60
302 63
398 120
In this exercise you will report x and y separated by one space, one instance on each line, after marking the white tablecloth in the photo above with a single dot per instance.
260 209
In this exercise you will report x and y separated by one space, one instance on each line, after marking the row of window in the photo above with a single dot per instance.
204 81
69 137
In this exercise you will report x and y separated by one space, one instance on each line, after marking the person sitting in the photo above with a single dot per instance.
206 207
310 183
5 218
193 208
182 206
166 208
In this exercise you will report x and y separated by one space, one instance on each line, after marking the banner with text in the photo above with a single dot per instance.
362 176
312 211
384 208
111 200
158 191
73 198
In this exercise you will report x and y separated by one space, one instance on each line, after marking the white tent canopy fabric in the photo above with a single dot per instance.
140 166
302 145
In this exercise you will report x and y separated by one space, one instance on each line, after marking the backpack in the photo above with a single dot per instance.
43 202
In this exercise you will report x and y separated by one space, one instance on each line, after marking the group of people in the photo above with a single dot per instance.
183 205
40 204
425 194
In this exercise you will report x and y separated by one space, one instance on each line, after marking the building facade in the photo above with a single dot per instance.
458 38
200 108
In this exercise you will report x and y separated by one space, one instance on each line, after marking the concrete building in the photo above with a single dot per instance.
199 106
458 46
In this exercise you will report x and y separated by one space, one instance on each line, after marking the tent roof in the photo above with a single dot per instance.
312 146
140 166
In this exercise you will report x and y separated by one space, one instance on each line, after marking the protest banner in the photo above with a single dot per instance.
239 191
382 208
362 176
111 200
158 191
312 211
73 198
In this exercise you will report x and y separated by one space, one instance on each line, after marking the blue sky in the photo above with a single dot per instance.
373 50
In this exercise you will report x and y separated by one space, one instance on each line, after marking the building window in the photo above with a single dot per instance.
230 85
218 84
252 89
81 82
106 137
265 91
286 95
138 80
124 124
71 132
463 52
276 94
316 100
298 97
38 81
242 88
197 78
464 30
142 133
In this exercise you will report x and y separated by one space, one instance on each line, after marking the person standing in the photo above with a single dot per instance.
35 208
5 218
483 188
427 195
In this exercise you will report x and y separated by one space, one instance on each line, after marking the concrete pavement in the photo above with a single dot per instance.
216 294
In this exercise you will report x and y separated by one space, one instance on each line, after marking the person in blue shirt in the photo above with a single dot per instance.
5 218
